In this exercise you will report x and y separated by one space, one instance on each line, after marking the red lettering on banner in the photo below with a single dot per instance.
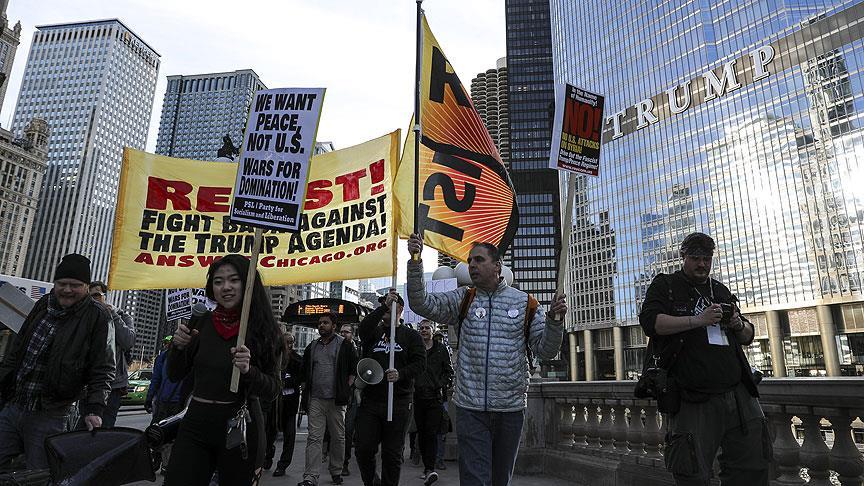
317 196
205 261
145 258
376 171
160 191
351 184
208 200
165 260
214 199
186 261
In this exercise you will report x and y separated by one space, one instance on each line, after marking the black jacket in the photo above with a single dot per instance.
80 358
438 375
292 377
346 364
673 295
258 382
410 359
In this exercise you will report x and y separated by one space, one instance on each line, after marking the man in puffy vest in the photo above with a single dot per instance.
498 328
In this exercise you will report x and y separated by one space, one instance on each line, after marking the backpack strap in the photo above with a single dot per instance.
463 309
530 311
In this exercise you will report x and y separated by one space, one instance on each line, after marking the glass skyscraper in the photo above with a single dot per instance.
93 82
740 119
199 110
534 254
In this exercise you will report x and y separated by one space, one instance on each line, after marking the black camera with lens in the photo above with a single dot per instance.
728 310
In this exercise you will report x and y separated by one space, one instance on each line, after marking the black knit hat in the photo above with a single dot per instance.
74 266
697 244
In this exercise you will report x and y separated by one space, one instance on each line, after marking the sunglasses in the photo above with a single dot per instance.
426 327
96 294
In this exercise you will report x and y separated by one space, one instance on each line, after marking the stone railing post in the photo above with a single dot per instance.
653 435
786 448
814 453
593 430
845 457
619 426
635 432
580 425
565 421
606 424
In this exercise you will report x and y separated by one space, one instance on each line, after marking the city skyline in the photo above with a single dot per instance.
369 80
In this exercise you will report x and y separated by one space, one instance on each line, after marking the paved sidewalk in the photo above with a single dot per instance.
410 473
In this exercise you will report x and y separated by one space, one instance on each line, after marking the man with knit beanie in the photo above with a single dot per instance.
65 346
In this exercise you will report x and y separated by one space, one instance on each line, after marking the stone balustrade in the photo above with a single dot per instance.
596 433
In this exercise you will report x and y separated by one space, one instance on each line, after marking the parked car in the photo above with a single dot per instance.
139 383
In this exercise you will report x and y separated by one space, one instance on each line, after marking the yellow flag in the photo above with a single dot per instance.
465 194
173 221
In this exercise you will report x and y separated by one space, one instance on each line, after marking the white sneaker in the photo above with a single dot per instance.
430 478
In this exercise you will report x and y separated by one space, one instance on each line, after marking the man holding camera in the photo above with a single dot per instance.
698 334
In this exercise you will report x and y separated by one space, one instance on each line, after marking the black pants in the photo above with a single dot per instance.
270 428
732 423
200 447
427 416
350 416
288 426
373 429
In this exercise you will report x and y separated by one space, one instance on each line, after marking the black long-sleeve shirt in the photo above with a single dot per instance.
410 359
209 358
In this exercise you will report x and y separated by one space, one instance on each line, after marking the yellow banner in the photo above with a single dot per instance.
464 194
173 221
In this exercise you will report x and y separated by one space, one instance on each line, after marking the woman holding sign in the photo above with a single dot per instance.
207 348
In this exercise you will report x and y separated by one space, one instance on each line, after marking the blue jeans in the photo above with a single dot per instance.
25 432
488 444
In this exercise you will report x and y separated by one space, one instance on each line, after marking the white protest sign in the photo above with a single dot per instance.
178 304
270 188
198 295
432 286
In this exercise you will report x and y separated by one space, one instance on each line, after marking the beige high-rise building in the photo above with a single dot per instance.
9 40
22 165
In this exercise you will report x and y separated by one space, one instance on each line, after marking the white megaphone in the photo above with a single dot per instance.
369 372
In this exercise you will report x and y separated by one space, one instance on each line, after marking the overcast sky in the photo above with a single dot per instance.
362 51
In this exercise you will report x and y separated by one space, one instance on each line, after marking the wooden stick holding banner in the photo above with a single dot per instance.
272 173
576 136
247 301
566 235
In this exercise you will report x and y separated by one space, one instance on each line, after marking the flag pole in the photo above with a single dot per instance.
417 131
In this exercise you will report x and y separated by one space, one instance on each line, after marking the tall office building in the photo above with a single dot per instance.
22 165
738 120
199 110
93 82
9 40
530 96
